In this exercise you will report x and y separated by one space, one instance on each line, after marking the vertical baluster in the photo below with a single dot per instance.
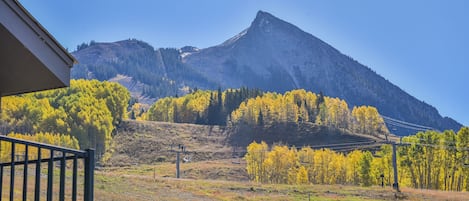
37 185
25 172
50 174
1 173
1 182
89 175
62 177
74 178
12 172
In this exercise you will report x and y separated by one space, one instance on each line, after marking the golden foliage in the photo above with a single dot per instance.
430 160
88 110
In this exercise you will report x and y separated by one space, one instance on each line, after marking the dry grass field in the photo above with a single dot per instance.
216 180
223 180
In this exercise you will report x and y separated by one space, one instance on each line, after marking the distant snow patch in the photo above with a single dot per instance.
185 54
234 38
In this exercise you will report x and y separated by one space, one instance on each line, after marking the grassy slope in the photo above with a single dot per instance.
229 182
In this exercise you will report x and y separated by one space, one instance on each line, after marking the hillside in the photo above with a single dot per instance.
270 54
147 142
149 74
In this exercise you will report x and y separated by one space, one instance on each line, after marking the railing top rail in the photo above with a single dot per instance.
42 145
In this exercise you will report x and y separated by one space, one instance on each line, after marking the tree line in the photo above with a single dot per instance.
288 165
434 160
88 110
255 108
429 160
200 106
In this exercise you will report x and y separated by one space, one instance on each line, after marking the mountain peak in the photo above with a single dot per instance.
267 24
264 18
262 14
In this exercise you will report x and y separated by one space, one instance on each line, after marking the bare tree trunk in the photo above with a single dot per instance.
421 181
452 179
446 178
437 181
467 182
413 177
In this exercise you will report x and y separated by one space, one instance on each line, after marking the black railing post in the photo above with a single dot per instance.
12 171
25 172
50 175
89 175
62 177
1 182
74 178
37 188
1 173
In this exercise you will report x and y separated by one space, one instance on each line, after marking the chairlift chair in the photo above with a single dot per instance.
187 158
375 155
236 160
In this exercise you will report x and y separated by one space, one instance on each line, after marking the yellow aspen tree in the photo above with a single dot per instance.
292 174
462 144
255 156
353 168
302 176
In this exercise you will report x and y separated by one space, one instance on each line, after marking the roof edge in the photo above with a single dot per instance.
42 32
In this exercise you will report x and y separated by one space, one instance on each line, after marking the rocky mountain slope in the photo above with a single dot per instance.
149 74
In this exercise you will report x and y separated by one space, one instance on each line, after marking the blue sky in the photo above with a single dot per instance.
421 46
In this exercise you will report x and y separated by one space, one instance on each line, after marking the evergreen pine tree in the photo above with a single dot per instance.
260 119
221 116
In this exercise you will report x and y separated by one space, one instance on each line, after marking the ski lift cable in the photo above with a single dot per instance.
407 123
397 124
437 146
404 122
441 141
350 146
407 127
354 147
342 144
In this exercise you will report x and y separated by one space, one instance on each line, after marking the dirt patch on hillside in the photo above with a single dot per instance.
148 142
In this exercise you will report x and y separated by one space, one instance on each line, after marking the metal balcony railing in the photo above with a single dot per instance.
11 157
